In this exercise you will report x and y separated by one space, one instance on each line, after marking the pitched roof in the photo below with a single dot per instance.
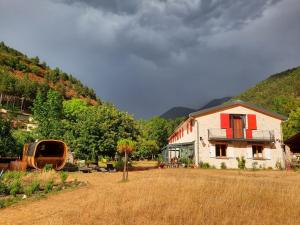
228 106
238 103
293 140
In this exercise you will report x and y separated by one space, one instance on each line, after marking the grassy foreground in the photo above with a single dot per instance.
170 196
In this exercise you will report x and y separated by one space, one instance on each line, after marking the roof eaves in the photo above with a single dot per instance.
242 103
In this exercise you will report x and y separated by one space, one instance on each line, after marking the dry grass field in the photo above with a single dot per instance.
169 197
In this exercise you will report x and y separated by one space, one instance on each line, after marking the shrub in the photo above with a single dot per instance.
185 160
254 165
63 176
8 201
3 188
119 165
15 187
205 166
200 164
160 159
295 168
33 187
48 167
241 162
12 175
35 69
278 165
223 166
49 186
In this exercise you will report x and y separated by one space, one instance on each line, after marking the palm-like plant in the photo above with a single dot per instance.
126 146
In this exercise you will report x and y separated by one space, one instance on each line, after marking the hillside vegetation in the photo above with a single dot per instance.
21 76
280 92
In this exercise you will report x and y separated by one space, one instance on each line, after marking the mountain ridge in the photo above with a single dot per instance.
181 111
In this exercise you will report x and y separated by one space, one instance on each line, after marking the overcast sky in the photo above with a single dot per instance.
147 56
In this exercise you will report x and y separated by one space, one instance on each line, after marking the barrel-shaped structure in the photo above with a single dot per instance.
43 152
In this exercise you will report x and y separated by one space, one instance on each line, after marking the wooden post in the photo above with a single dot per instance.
22 101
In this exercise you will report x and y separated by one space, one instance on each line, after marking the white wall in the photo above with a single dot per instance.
202 148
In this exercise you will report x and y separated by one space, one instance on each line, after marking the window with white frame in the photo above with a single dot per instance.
221 150
257 151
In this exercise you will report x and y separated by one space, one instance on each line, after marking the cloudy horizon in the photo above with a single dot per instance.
147 56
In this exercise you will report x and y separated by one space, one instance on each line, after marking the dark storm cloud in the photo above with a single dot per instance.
116 6
149 55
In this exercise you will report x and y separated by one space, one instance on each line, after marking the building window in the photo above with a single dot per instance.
257 151
221 150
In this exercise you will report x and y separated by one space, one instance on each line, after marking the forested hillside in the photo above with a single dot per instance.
21 76
65 109
280 92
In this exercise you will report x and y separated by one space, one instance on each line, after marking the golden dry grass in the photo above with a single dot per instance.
144 163
169 197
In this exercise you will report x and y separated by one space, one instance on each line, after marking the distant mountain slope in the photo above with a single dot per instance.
215 102
181 111
177 112
21 76
280 92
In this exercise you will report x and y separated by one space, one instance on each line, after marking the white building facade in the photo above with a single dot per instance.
221 134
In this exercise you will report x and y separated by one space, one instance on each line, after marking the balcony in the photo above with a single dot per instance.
216 134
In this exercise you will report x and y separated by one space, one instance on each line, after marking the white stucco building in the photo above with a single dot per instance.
223 133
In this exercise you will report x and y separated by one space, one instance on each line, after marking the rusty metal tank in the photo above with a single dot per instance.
43 152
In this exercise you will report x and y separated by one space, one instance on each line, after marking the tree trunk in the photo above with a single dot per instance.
125 167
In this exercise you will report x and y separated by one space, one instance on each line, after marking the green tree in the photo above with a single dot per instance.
285 104
22 137
92 131
47 111
73 108
7 142
292 126
158 129
35 60
146 148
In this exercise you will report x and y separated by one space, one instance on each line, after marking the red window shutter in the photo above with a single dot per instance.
187 128
229 133
252 122
182 131
191 126
249 134
225 120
